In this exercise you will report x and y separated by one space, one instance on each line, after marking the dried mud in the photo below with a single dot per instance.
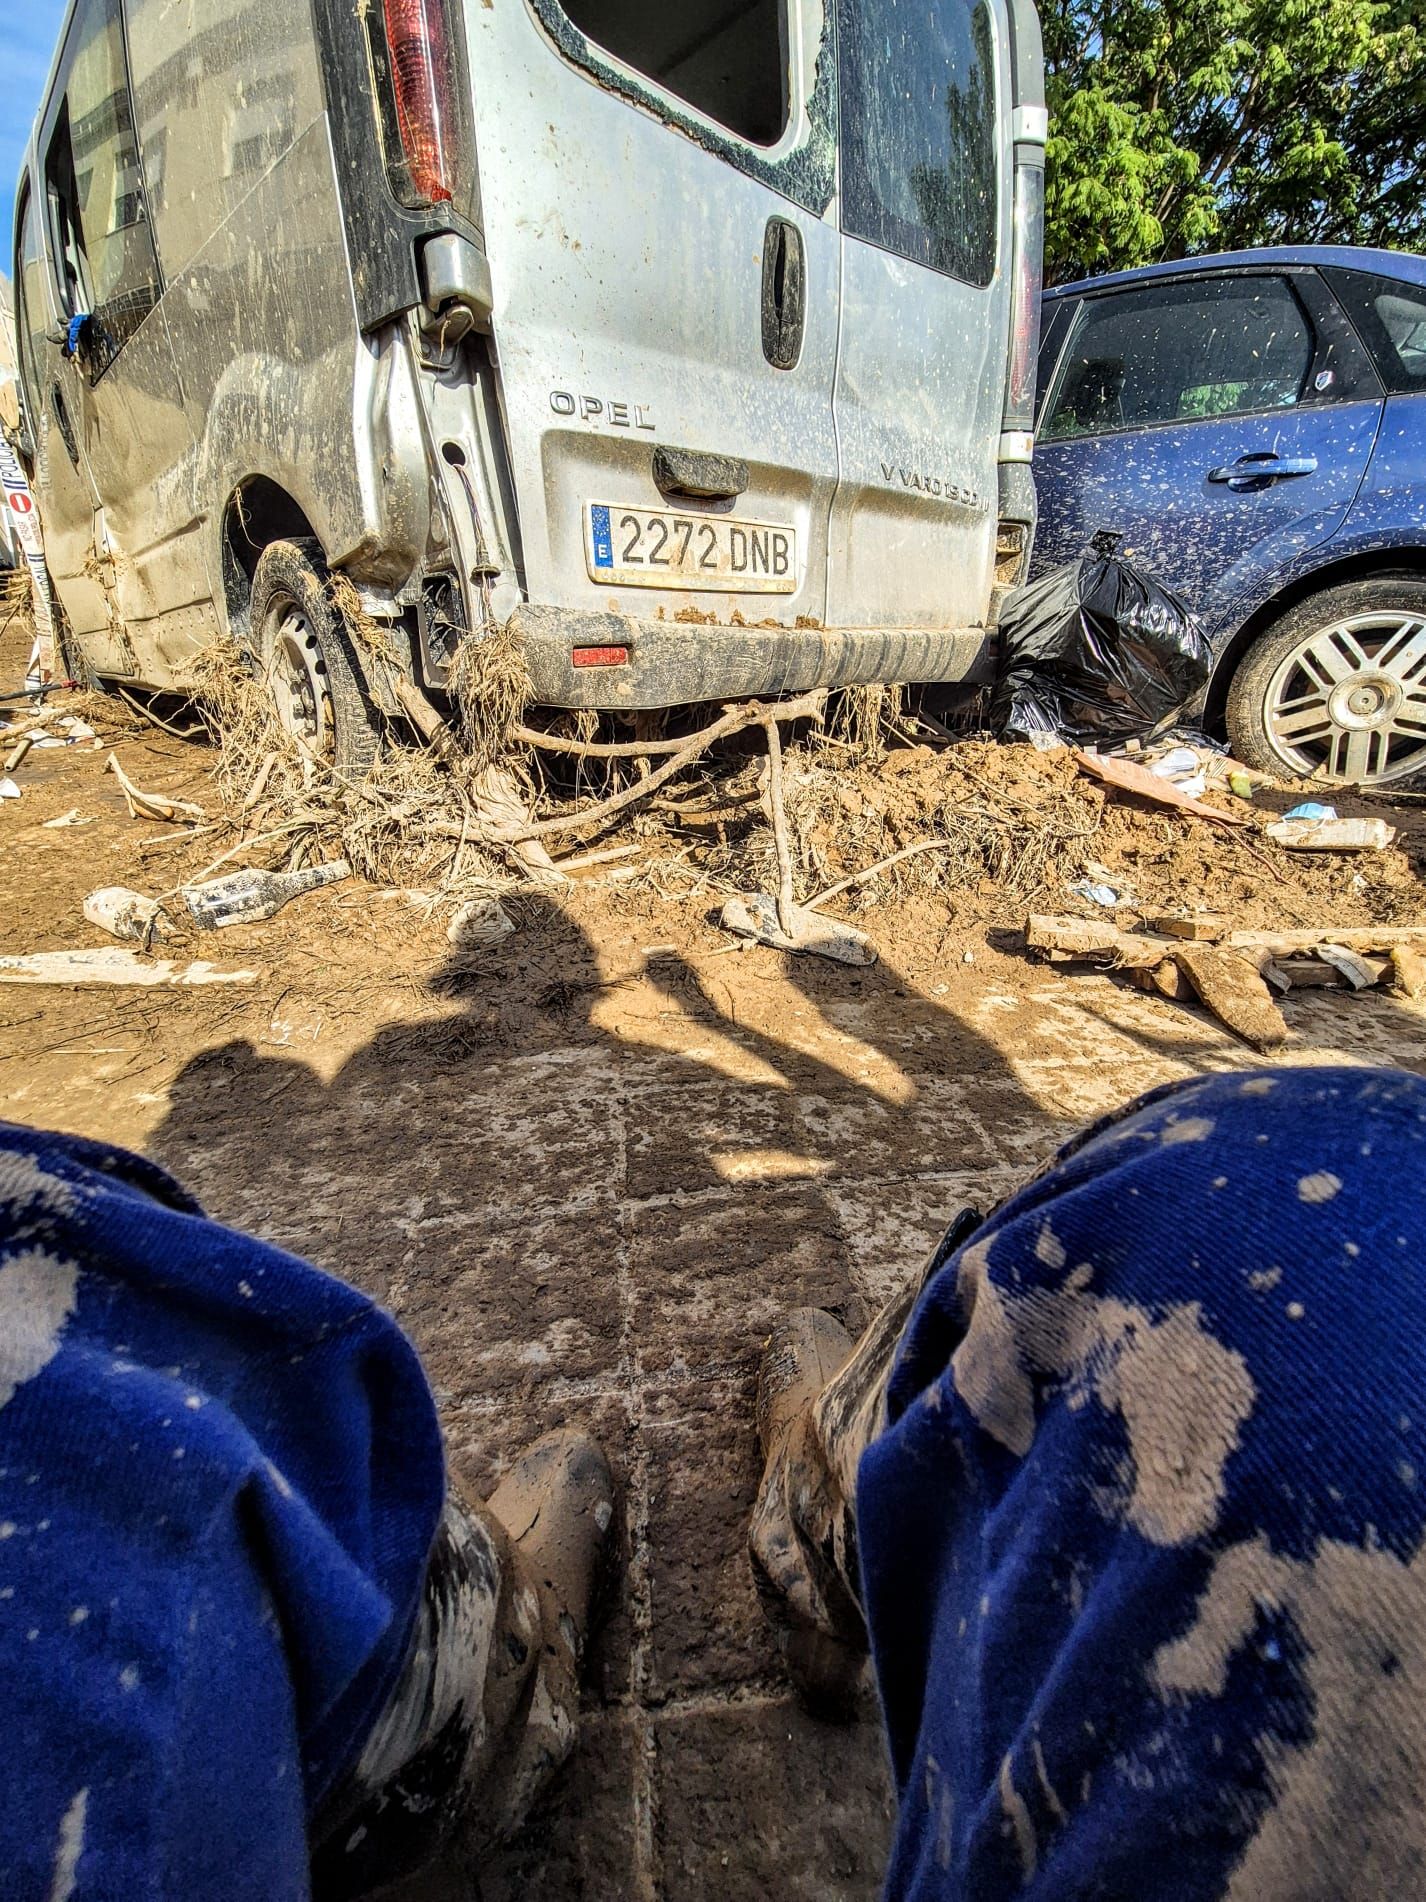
589 1169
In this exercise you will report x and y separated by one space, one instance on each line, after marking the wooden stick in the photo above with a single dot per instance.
259 785
860 878
605 856
778 810
597 749
427 722
751 713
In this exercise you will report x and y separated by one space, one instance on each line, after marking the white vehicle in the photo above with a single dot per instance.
695 343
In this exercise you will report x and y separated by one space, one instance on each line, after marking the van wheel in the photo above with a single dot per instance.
1335 689
305 655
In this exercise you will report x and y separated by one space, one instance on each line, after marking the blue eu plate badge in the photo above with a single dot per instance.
600 536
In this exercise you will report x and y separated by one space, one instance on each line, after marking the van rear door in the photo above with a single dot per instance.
656 183
925 116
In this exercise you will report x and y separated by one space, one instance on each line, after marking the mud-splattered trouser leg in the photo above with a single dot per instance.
482 1716
1141 1524
240 1613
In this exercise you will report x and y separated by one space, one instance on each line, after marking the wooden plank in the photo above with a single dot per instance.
1356 937
1127 776
1091 938
1233 988
1198 927
1409 964
1311 974
1169 981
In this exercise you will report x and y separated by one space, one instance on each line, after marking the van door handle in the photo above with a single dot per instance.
66 428
1262 466
784 293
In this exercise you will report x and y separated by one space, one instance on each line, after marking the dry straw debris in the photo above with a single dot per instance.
404 823
420 817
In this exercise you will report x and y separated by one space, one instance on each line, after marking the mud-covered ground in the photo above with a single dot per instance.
587 1169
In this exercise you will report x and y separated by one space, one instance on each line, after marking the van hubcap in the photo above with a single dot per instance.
297 678
1349 703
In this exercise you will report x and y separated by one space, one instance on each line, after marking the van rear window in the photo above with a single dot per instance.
725 58
918 131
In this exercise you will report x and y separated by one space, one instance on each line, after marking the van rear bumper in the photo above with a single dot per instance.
675 663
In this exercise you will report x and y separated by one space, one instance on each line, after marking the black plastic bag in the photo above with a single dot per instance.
1095 653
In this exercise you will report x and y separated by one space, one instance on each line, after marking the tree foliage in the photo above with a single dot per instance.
1179 126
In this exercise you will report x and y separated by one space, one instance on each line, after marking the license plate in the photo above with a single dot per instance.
659 548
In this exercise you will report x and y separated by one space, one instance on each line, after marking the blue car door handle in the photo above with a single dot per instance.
1263 466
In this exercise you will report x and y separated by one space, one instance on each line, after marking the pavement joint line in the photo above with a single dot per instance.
644 1796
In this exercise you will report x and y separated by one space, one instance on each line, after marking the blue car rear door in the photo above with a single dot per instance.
1221 422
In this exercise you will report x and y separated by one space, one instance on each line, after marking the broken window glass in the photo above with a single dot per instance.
103 243
918 132
726 58
1173 353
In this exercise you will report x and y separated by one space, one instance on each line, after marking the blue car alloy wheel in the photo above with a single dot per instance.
1336 689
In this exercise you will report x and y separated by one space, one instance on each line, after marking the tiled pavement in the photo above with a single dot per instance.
598 1222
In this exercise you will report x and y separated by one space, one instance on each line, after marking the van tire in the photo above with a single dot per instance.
1371 616
307 660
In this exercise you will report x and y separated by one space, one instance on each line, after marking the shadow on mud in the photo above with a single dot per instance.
588 1193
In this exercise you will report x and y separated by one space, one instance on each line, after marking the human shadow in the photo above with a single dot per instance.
588 1180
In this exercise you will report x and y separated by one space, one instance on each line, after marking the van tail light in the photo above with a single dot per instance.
1027 280
424 83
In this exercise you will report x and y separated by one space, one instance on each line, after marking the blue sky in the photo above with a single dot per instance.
28 31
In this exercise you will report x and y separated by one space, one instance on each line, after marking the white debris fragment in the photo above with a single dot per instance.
754 915
112 964
1331 835
481 921
125 913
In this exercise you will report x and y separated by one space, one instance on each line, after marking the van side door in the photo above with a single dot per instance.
657 185
925 118
62 485
120 383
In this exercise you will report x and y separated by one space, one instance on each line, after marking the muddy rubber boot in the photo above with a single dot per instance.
556 1508
487 1704
557 1504
819 1630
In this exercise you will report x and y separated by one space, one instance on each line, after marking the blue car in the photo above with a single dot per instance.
1255 426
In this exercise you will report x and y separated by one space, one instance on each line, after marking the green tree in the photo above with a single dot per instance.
1179 126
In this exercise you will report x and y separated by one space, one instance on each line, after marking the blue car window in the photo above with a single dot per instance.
1180 352
1391 317
1405 321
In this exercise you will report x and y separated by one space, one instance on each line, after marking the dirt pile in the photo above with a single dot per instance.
1020 828
977 832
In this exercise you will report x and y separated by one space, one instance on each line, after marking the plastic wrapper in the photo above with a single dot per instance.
1095 653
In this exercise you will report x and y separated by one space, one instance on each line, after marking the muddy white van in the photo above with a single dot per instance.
693 343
